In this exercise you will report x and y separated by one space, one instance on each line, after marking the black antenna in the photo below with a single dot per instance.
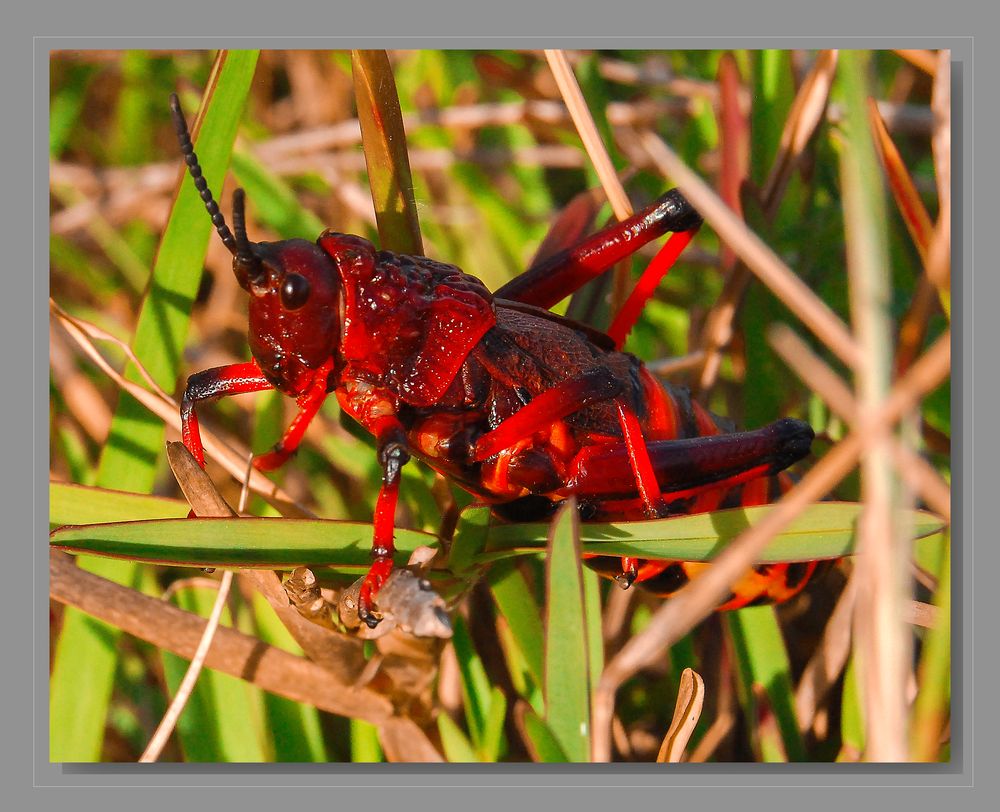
187 148
243 257
240 222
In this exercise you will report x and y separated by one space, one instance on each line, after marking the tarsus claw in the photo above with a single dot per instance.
369 618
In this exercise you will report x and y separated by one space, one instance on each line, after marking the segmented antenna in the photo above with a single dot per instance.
187 148
243 256
240 222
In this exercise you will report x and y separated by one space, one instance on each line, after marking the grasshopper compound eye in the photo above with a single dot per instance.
294 291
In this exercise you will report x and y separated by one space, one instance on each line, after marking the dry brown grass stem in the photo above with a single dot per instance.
759 258
882 639
904 190
548 155
228 452
181 584
347 134
585 126
913 326
918 613
829 659
696 601
616 613
655 71
804 117
721 727
820 378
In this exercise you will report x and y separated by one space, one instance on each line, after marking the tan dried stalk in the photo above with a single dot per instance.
882 638
585 126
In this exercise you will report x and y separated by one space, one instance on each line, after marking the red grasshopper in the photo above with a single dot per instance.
517 405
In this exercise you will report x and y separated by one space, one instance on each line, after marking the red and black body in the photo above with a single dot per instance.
517 405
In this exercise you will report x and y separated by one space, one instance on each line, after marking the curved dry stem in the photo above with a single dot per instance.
806 114
687 712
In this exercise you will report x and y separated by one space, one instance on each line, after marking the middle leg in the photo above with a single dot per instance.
390 440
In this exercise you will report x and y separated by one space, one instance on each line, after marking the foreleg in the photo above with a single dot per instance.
309 405
232 379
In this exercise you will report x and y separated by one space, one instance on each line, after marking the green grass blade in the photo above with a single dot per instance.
135 441
295 727
541 741
384 142
516 603
471 536
520 674
78 504
457 747
772 98
824 530
567 661
852 718
475 684
595 620
763 665
365 747
74 450
492 745
221 722
251 542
